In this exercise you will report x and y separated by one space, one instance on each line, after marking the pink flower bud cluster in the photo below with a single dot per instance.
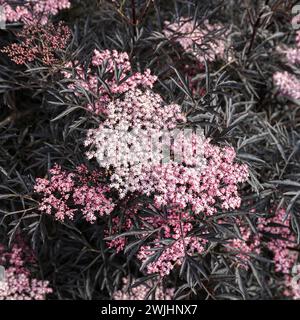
39 42
289 83
244 246
281 242
18 283
194 39
114 62
32 11
64 194
139 292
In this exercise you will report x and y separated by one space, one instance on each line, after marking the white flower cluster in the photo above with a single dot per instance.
139 135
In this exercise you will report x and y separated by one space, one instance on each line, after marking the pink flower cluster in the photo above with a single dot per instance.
242 247
173 241
292 55
204 180
39 42
288 83
197 179
175 227
281 242
216 183
32 11
275 234
119 226
194 39
139 292
81 189
118 74
18 283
